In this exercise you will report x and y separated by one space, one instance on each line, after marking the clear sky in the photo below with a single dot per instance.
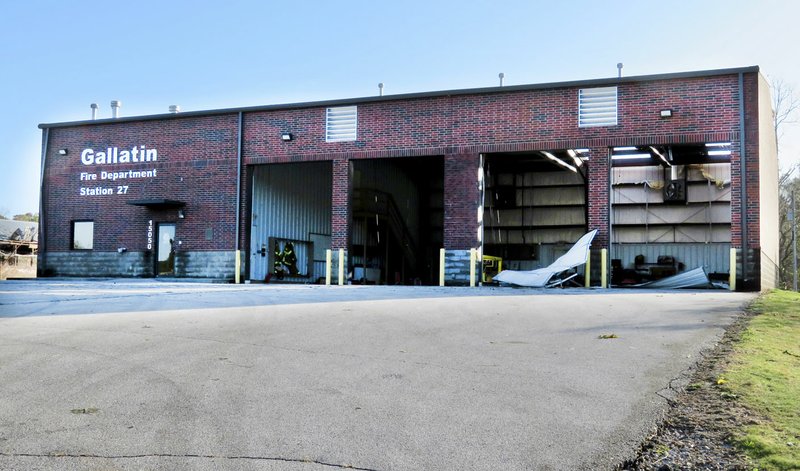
57 57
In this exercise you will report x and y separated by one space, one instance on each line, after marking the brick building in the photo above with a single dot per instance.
674 170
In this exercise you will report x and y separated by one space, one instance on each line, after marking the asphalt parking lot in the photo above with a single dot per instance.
137 374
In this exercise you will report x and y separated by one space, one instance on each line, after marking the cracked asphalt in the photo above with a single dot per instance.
139 374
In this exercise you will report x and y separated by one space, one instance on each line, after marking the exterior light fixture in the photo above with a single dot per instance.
181 214
63 152
286 136
666 113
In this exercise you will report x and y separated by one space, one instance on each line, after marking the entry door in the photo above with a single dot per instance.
165 262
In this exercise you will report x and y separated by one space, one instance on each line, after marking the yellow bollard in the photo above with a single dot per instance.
473 255
341 267
588 271
732 275
604 268
441 267
237 276
328 257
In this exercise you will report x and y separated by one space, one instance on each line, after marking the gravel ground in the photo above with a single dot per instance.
702 421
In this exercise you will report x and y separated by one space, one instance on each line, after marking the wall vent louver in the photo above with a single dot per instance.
341 124
597 107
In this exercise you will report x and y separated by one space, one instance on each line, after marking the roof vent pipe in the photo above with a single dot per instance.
115 106
502 76
380 89
93 106
174 109
619 69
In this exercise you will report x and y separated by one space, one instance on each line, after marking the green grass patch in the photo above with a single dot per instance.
765 377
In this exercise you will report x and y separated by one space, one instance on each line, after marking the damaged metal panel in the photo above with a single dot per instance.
575 256
696 193
672 234
554 216
554 196
534 217
663 214
532 236
716 172
700 193
559 235
553 178
638 194
719 173
695 278
621 175
714 257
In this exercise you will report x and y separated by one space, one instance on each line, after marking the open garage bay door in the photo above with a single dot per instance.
534 206
397 220
290 222
671 211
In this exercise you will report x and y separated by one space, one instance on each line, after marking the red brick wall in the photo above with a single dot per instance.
197 155
196 164
460 127
461 202
525 120
599 199
752 171
340 217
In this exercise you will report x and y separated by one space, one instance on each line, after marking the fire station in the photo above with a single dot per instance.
675 171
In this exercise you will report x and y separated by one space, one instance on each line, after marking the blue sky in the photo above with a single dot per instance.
58 57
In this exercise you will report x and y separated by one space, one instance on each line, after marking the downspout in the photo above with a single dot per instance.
743 165
42 252
610 213
481 226
238 190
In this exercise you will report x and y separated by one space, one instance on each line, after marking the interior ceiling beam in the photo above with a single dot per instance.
538 161
667 155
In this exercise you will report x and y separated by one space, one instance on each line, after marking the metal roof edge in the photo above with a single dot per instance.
409 96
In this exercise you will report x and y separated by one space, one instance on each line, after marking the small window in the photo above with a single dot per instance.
83 235
597 107
341 124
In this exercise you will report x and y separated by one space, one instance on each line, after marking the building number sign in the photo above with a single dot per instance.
150 234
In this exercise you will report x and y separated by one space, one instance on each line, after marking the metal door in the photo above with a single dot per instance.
165 250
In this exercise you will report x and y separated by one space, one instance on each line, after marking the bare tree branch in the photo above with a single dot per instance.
784 106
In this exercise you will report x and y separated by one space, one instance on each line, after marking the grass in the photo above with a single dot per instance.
765 377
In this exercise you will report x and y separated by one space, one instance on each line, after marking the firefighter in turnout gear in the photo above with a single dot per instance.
289 258
277 265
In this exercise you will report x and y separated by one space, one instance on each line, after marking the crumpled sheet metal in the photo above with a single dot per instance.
695 278
539 278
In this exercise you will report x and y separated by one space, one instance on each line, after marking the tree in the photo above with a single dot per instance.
785 106
29 217
786 263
